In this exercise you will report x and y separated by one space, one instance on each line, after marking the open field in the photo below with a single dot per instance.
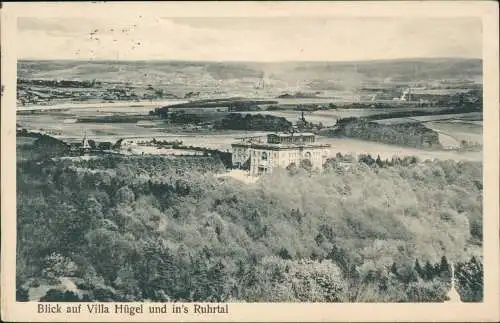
66 128
329 117
452 128
223 139
325 82
64 120
394 121
144 150
473 116
458 116
459 130
356 147
240 175
127 106
70 130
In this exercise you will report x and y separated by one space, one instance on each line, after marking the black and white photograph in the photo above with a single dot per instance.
261 159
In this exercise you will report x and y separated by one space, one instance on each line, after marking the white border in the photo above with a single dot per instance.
488 11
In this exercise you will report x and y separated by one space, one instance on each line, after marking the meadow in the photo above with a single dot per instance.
470 131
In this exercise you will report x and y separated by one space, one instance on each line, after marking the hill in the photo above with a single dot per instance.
129 229
206 72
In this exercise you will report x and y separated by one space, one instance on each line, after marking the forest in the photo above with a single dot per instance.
256 122
121 228
414 135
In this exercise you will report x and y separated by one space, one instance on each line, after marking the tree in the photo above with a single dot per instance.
54 295
444 269
159 93
394 269
476 228
22 294
154 205
284 254
426 291
366 159
428 271
292 168
218 279
419 269
306 164
93 209
92 144
57 266
340 257
118 144
470 280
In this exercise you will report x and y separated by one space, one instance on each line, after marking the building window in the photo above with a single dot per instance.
308 155
264 155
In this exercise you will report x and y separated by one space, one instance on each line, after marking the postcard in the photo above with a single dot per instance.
246 161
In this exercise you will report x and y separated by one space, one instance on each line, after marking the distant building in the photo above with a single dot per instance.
279 150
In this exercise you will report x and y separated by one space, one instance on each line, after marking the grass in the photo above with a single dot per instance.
460 131
395 121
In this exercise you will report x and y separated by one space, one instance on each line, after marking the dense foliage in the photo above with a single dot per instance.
114 119
422 112
406 134
257 122
236 104
43 146
59 83
127 229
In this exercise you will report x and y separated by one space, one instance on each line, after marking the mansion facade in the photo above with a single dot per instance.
261 155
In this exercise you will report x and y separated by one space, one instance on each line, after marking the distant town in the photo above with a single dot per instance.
52 92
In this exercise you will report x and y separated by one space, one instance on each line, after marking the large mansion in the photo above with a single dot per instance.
261 155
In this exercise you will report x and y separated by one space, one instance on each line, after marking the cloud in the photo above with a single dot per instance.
250 39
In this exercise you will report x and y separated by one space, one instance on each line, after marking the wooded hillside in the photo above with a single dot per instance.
146 228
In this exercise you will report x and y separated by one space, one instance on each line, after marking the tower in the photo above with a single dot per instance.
85 145
403 95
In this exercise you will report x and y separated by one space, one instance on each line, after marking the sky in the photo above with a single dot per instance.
248 39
